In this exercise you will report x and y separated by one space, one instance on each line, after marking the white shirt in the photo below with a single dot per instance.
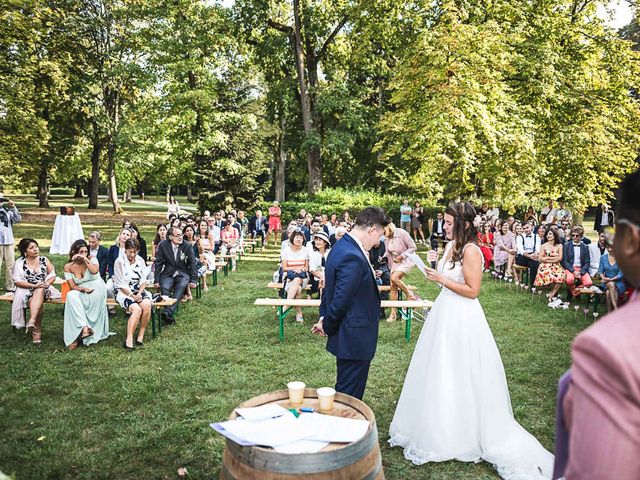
216 233
315 260
594 258
528 243
550 213
11 216
93 252
605 219
175 250
493 213
576 256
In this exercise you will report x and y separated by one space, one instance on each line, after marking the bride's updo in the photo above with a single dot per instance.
464 231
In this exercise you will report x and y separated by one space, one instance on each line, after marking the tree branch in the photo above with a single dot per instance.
279 26
331 37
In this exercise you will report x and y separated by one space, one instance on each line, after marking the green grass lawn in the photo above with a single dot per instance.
100 412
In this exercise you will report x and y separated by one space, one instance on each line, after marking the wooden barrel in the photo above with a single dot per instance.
359 460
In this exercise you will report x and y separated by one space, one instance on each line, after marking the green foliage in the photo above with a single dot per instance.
339 200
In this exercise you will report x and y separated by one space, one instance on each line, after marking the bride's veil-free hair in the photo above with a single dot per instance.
464 231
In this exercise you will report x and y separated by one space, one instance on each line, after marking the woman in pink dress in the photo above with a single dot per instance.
398 245
504 250
275 225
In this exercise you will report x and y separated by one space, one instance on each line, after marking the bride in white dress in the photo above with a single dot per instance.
455 401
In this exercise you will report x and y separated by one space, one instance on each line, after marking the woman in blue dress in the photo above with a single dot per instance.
612 281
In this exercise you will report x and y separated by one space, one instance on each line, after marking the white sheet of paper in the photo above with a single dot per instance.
415 258
271 433
302 446
335 429
263 412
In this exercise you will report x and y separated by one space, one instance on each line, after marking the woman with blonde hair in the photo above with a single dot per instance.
399 245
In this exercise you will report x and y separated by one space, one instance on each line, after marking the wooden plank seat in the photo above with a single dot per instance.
111 302
284 305
382 288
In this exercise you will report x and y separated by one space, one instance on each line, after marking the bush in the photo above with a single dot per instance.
338 200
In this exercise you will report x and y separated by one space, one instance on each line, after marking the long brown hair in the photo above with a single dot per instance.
464 231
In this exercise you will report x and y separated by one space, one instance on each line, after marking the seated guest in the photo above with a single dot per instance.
340 231
398 245
492 213
317 259
542 233
295 265
504 251
244 222
596 250
214 230
33 276
311 235
116 251
99 252
258 226
485 242
575 261
161 234
130 281
235 224
175 269
135 235
86 320
285 243
207 258
612 284
550 272
531 215
583 239
230 240
604 218
528 250
189 237
563 213
126 223
548 214
598 429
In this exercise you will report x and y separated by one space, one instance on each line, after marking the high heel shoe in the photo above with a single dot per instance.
138 343
126 347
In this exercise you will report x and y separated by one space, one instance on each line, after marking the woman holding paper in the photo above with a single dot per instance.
130 281
399 245
455 402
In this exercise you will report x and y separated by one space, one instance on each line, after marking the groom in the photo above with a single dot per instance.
350 305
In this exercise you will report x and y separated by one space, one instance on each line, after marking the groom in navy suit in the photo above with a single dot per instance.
350 305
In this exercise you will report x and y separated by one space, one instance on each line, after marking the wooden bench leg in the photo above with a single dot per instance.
154 318
215 276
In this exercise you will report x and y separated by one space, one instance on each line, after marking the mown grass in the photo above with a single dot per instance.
100 412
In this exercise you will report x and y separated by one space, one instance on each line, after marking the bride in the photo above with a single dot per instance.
455 401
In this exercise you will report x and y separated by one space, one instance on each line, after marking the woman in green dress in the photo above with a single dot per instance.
85 314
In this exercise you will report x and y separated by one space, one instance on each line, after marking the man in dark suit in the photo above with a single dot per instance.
437 230
258 226
175 268
100 252
575 260
350 304
604 218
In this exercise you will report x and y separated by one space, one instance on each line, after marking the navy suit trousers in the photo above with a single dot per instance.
352 376
177 285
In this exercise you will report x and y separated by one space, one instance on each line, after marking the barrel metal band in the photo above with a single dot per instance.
306 463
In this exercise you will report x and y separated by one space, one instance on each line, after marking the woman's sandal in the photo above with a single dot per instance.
37 337
31 327
392 317
86 332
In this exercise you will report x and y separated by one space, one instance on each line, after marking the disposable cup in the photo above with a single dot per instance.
326 396
296 392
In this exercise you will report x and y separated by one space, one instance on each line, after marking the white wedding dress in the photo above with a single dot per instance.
455 401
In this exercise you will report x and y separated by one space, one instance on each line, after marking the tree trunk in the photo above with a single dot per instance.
313 150
111 176
96 155
168 192
189 194
281 162
126 196
43 184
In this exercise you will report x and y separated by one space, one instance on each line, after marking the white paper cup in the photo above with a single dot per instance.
296 392
325 399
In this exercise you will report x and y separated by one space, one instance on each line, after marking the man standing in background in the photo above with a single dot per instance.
8 216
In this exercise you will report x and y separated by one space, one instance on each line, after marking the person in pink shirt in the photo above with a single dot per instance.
398 245
598 427
229 240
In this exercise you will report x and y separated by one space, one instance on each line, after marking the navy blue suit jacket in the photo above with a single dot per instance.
102 255
112 256
350 303
567 257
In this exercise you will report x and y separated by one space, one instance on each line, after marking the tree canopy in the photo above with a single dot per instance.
510 102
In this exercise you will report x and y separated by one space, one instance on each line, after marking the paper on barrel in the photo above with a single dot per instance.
263 412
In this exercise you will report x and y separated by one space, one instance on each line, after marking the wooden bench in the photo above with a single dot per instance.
283 307
278 286
111 302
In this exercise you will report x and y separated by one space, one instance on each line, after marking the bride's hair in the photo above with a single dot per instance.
464 231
